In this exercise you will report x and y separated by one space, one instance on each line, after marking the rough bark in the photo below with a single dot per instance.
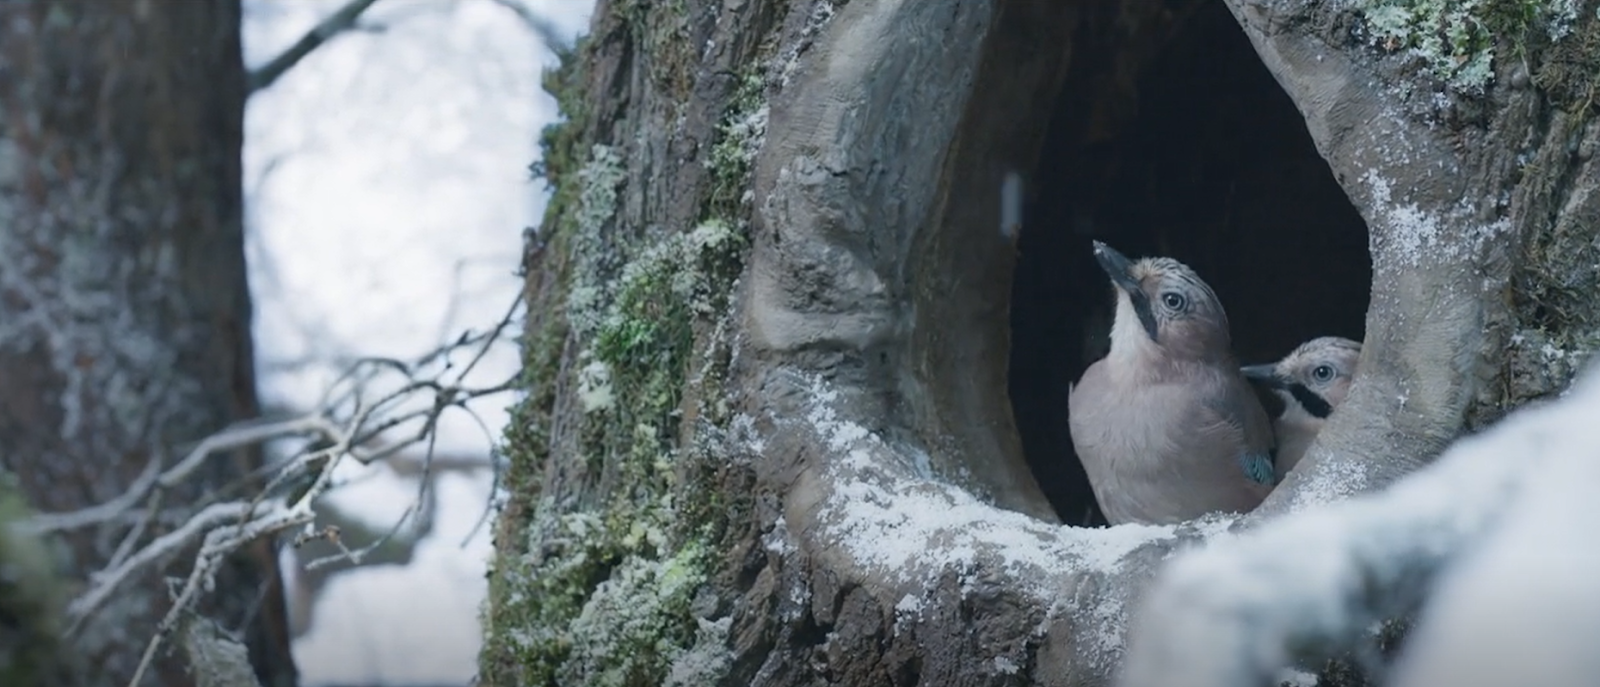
124 309
848 499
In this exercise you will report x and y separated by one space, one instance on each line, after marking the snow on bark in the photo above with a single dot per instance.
903 525
1493 520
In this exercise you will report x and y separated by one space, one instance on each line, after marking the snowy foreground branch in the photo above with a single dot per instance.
1489 542
373 412
1494 540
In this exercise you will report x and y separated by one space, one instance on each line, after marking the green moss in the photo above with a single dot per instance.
631 629
508 616
740 135
596 588
1460 39
559 607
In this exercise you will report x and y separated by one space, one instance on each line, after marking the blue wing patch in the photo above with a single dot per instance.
1257 466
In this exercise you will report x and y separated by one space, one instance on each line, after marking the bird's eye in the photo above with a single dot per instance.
1322 373
1173 300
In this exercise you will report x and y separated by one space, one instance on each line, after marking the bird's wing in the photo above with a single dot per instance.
1236 411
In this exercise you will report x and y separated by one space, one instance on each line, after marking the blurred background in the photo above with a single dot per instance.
387 189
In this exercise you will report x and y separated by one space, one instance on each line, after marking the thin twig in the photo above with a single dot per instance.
540 25
47 523
494 335
126 548
242 437
369 400
108 581
335 24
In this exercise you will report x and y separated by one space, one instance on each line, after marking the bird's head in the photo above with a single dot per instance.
1316 375
1162 302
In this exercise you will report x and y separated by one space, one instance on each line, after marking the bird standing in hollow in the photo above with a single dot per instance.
1312 381
1165 424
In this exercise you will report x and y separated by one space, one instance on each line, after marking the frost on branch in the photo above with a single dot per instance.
1489 540
375 412
883 517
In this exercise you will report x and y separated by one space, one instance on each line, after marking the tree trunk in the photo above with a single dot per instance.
125 309
796 384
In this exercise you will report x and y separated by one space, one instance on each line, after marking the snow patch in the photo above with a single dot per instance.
789 60
1521 606
909 609
708 660
1563 17
1330 482
777 541
1410 235
1004 665
914 530
1291 677
745 434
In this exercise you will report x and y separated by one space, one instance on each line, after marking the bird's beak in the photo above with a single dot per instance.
1266 375
1117 266
1120 269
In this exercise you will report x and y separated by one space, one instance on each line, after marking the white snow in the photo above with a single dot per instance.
1224 614
1328 482
1523 606
892 525
821 14
777 541
913 529
1412 235
1296 678
1005 666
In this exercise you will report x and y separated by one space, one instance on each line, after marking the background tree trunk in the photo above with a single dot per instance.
124 308
789 455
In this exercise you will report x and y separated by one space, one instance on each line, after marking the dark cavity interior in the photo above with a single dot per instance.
1169 137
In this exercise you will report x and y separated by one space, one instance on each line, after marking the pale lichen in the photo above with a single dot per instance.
594 386
707 660
630 631
741 134
602 594
1456 39
600 180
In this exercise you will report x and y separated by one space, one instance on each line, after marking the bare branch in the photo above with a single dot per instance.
540 25
45 523
358 418
230 439
108 581
243 436
410 465
336 23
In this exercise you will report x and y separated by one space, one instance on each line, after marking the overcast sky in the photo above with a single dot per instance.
387 189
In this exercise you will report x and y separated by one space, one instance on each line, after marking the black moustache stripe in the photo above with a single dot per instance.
1147 318
1313 403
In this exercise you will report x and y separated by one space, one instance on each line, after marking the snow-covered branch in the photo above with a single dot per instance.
1488 540
379 409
